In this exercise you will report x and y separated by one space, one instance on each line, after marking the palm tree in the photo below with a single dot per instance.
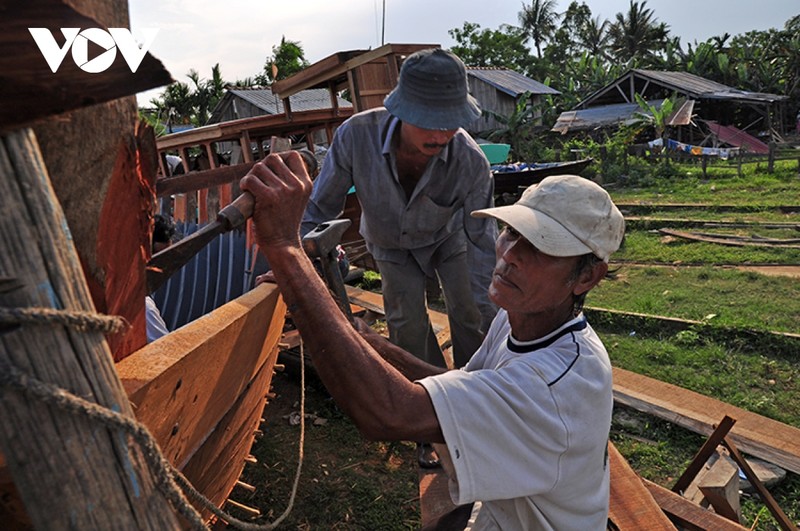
206 94
637 35
538 21
594 37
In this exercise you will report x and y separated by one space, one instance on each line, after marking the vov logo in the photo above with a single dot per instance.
78 41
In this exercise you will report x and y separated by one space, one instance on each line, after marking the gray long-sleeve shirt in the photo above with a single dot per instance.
430 226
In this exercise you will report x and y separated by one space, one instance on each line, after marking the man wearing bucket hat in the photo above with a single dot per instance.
522 429
417 176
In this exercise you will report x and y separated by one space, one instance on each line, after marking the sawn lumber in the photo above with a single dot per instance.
753 434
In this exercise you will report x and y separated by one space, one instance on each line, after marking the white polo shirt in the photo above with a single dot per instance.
526 428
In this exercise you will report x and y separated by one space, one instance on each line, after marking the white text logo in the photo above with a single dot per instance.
78 41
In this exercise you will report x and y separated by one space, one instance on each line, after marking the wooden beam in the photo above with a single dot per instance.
100 476
720 486
689 515
754 434
703 455
31 91
631 506
766 497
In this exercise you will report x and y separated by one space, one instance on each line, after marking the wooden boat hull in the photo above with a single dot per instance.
510 182
201 390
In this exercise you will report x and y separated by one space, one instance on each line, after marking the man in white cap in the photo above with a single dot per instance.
418 175
523 427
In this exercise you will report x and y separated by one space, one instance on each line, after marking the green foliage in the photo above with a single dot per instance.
636 36
538 21
286 60
370 281
504 47
184 104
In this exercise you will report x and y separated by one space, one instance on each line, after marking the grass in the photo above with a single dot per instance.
721 187
349 483
730 297
651 246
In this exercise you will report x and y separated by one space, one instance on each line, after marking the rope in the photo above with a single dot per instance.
81 321
169 480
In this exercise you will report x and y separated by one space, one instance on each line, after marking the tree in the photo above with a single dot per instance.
594 37
184 104
637 36
517 128
538 21
206 94
657 117
504 47
566 42
287 59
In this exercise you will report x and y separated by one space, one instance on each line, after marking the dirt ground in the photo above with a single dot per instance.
346 482
775 271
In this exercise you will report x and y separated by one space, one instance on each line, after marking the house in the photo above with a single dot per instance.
498 90
249 102
710 101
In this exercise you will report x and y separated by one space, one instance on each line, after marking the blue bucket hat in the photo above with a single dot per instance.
432 92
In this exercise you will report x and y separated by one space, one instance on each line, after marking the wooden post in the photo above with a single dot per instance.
771 157
71 472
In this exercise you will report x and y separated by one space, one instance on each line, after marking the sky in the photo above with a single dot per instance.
240 34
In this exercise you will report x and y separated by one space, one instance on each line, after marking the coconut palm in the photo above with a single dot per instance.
538 21
594 37
636 36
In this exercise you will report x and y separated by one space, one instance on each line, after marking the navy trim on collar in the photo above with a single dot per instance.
539 344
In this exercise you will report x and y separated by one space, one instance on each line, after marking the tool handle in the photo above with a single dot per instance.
236 213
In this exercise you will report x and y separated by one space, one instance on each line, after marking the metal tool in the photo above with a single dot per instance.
321 243
165 263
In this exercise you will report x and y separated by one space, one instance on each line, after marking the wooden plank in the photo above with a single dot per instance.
374 301
754 434
30 90
217 465
183 384
434 495
686 514
632 507
726 241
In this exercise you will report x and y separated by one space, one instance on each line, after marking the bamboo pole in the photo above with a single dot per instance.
71 473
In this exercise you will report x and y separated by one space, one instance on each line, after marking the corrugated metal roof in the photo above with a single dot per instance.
511 82
684 83
306 100
596 117
264 99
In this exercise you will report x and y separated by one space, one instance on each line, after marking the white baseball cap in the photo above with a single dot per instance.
564 215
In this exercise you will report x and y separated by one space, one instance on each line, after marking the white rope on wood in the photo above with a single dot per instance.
170 481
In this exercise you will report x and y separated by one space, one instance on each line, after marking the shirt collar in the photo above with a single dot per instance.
522 347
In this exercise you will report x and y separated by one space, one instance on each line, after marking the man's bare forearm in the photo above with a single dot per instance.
383 403
409 365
